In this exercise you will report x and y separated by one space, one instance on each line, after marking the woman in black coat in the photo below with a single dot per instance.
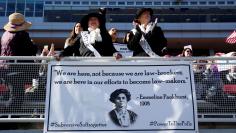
147 39
95 40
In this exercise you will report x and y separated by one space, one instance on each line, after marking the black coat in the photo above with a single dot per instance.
155 39
133 116
73 49
104 48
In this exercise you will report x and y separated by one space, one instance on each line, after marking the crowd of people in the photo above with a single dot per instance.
90 38
93 39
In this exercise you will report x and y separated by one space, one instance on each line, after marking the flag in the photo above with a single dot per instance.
231 39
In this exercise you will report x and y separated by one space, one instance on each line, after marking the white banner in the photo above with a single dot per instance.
125 96
123 49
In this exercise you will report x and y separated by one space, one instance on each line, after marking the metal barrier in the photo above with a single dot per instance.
23 86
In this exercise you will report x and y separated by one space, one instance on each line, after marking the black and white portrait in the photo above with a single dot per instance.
120 115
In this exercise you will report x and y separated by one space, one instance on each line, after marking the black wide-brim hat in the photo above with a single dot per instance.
142 10
85 19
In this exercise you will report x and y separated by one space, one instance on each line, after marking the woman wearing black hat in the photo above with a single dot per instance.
147 39
95 40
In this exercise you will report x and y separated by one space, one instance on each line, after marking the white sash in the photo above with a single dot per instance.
143 42
86 39
146 47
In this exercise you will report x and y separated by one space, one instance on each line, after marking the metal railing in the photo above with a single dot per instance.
23 86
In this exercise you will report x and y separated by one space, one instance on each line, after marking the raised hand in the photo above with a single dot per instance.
52 50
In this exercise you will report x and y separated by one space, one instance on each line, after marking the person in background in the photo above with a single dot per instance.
95 40
44 52
213 82
230 76
113 33
187 51
16 41
126 38
200 86
72 43
73 35
146 39
38 87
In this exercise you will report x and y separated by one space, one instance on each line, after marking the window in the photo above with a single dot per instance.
230 2
193 3
94 3
103 3
85 3
121 3
157 3
112 3
202 2
175 3
221 2
184 3
130 3
76 2
39 8
58 2
211 2
2 7
139 3
67 2
166 3
149 3
48 2
11 6
29 8
20 6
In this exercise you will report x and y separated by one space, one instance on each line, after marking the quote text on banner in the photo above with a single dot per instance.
120 96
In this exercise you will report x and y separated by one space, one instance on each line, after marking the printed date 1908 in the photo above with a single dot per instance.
145 103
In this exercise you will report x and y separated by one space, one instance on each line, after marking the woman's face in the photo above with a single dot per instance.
121 101
145 17
188 53
78 28
93 23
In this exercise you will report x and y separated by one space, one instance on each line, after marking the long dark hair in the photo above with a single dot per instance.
73 36
125 38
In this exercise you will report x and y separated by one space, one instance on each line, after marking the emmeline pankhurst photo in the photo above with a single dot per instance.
120 115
